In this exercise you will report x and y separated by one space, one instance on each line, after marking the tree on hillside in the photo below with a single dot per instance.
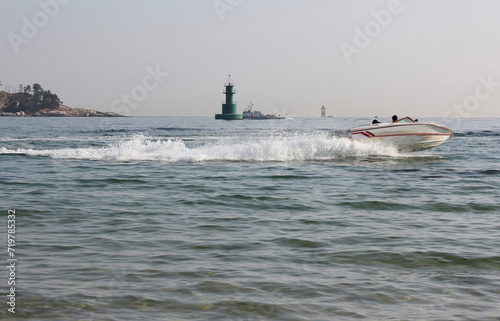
37 90
50 100
32 98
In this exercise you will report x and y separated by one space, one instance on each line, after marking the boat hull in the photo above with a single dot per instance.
407 137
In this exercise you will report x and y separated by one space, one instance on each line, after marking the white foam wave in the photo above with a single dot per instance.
311 146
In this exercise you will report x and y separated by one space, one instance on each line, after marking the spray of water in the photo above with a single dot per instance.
286 147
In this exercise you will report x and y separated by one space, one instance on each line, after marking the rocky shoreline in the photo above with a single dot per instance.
22 105
61 111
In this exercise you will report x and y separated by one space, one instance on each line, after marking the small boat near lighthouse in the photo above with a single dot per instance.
250 113
405 134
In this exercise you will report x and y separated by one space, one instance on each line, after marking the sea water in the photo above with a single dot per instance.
183 218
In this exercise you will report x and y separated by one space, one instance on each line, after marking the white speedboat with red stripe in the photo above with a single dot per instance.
405 134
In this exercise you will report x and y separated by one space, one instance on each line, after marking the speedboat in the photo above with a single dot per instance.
406 134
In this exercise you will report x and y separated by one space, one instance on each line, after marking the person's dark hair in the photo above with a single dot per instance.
394 118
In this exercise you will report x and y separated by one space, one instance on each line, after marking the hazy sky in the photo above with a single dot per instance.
427 58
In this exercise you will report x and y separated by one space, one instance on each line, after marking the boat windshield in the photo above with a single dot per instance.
404 120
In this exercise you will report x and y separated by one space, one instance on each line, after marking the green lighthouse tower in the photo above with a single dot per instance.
229 107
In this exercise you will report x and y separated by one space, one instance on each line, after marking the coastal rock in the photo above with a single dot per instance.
22 105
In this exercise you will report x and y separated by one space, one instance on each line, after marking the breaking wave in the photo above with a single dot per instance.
298 147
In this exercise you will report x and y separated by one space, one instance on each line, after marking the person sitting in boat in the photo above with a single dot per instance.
394 118
375 121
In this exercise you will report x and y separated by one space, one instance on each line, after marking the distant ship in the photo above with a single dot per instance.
249 113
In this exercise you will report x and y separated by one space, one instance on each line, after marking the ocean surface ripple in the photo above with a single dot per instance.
195 219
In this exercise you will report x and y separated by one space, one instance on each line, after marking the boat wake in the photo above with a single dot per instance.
287 147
